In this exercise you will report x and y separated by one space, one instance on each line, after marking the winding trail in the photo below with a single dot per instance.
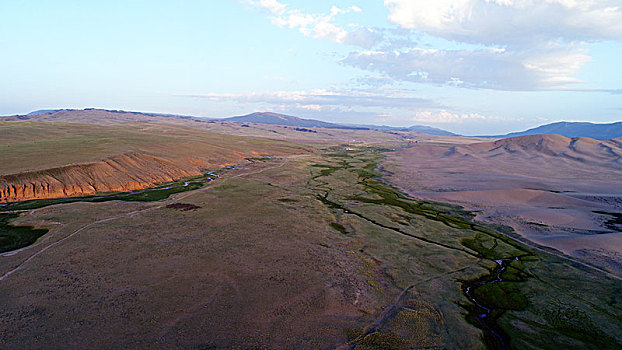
52 245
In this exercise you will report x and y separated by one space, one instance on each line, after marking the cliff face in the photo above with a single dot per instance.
125 172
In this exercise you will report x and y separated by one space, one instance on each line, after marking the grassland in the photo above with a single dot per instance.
305 251
36 146
516 285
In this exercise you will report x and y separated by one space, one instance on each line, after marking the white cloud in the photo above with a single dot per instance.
320 26
311 100
446 117
527 44
522 44
510 22
271 5
549 68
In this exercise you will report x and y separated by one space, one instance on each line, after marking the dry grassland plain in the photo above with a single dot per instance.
310 248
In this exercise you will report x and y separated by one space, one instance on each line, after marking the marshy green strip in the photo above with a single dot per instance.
525 284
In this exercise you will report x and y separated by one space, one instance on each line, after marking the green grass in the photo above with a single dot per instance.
576 324
259 159
501 295
328 170
32 146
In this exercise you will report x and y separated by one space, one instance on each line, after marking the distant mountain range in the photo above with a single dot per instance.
430 130
118 111
101 116
287 120
574 129
566 129
43 111
415 128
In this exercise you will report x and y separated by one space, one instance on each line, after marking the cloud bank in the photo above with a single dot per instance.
501 69
525 45
510 22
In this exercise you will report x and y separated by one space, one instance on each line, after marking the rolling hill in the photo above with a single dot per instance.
551 148
550 189
423 129
43 111
287 120
97 116
282 119
108 117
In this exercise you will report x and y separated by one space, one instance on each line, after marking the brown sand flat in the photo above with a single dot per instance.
547 187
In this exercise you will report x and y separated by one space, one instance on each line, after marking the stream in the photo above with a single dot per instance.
485 305
484 313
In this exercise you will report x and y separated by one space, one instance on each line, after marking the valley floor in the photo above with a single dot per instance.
305 251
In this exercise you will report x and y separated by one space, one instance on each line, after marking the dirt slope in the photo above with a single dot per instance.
125 172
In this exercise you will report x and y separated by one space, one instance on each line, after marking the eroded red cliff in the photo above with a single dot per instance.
125 172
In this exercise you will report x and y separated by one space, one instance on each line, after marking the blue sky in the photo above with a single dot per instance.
469 66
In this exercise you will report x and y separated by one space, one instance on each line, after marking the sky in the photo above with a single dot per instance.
469 66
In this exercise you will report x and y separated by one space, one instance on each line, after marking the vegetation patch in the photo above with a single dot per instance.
578 325
615 221
381 341
259 159
501 295
328 170
16 237
183 206
339 227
